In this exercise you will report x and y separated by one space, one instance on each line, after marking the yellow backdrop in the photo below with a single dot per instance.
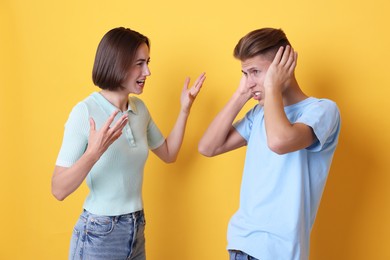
46 55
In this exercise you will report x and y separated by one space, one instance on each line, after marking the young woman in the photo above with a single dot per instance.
106 142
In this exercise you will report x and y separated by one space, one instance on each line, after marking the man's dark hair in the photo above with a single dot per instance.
265 41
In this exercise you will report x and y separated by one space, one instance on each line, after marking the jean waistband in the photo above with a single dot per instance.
134 215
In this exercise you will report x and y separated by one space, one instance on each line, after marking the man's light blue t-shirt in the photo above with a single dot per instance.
280 194
115 181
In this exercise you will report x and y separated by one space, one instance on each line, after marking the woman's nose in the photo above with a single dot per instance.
146 71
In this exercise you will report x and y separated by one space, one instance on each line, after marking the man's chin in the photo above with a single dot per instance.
260 102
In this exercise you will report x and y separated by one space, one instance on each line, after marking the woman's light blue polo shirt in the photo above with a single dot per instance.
115 181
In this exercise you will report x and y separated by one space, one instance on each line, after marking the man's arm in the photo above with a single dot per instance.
282 136
221 136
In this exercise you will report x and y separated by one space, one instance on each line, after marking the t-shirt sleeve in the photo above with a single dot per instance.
153 133
155 137
324 118
75 138
244 125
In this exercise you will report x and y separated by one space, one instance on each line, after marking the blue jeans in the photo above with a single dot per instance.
108 237
239 255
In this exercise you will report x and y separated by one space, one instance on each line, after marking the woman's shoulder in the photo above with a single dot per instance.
137 103
136 100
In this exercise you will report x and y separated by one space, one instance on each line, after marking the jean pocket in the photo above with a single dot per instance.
100 225
74 244
142 220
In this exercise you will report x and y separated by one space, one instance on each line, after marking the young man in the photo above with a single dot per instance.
290 139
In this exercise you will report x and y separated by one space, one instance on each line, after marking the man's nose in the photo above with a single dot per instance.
251 82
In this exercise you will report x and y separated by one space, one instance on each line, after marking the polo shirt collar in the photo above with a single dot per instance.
110 108
131 106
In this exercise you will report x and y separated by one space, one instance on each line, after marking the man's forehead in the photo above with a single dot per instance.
257 62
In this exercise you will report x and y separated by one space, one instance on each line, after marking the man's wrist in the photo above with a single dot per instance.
240 97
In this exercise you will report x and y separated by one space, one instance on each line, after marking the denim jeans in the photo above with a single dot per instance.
239 255
108 237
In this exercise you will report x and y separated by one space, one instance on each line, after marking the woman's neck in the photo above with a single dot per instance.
116 98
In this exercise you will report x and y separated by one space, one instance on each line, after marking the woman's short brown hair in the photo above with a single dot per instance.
265 41
114 57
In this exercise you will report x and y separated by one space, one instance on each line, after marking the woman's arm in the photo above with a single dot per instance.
66 180
169 150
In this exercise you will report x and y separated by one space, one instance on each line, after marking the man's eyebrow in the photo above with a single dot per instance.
250 69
